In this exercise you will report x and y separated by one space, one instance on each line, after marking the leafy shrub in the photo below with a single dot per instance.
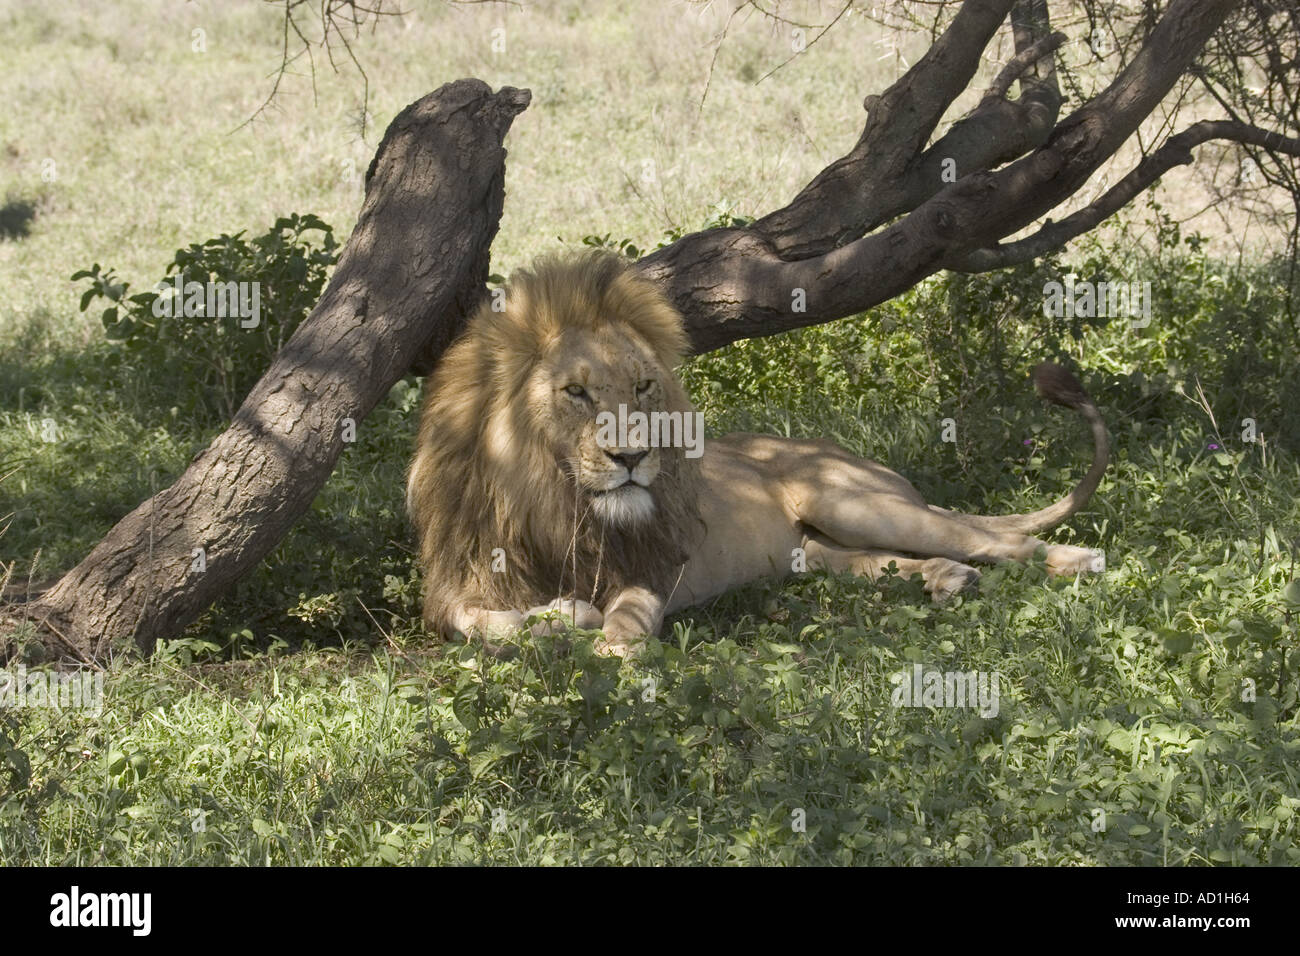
203 364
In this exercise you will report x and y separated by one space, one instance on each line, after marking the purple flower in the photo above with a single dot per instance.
1213 447
1028 441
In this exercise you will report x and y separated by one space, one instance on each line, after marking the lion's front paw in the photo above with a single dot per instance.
617 638
1067 559
561 615
621 646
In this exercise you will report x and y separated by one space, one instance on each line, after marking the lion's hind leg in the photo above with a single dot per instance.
860 504
943 577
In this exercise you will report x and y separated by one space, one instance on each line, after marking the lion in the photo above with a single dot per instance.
526 498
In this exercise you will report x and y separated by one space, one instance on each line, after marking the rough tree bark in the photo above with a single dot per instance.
868 227
414 267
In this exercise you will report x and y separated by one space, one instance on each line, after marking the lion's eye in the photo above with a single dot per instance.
577 391
643 387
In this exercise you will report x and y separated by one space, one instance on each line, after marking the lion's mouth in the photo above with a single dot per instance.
629 481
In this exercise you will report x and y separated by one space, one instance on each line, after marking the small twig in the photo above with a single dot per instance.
708 80
1042 47
847 7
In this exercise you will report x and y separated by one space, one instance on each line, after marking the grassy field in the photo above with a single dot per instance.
1147 715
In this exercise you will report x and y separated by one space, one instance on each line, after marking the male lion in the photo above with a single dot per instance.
523 502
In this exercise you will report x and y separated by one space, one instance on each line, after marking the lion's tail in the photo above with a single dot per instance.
1057 385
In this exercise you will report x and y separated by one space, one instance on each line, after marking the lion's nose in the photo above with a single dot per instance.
628 459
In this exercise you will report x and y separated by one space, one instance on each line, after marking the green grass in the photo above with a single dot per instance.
310 720
403 755
306 718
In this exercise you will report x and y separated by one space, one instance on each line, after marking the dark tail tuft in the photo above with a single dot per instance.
1057 384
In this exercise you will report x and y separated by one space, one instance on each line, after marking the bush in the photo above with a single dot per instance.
204 364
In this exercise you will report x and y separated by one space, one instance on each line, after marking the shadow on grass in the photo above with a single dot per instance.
117 444
16 217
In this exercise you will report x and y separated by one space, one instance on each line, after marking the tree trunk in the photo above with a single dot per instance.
415 266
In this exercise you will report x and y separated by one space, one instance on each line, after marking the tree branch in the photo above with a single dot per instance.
732 284
845 199
1176 151
1018 64
998 130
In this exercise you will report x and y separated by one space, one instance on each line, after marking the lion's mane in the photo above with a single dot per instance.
484 477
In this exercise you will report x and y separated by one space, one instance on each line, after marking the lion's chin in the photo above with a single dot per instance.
625 506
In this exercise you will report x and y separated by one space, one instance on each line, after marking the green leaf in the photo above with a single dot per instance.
790 648
465 707
1050 803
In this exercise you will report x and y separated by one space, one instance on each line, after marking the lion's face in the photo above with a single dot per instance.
586 382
